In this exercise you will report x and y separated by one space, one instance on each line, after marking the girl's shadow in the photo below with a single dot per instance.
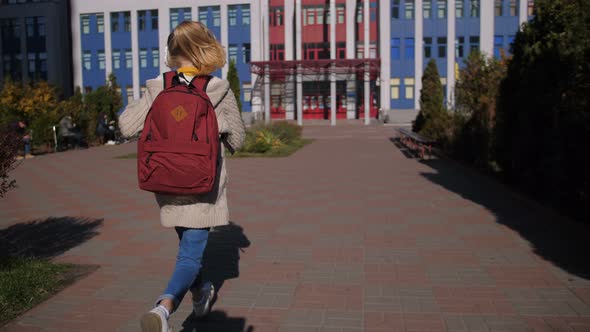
220 262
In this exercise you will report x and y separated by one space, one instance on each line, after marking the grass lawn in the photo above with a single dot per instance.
26 282
284 151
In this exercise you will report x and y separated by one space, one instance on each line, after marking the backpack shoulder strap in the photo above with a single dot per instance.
201 82
168 77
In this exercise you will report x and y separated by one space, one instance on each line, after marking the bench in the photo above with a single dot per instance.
415 142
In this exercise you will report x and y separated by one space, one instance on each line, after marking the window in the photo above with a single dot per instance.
395 9
30 24
114 22
232 14
409 45
128 59
441 9
359 12
498 46
341 50
442 47
85 24
100 23
531 7
143 58
498 8
473 43
43 62
216 16
101 60
409 9
395 88
174 18
427 47
233 53
409 83
247 88
246 53
203 14
155 58
154 16
459 46
141 20
427 8
87 60
459 8
41 25
340 13
129 91
127 20
319 15
187 14
245 14
32 63
475 8
373 11
395 48
116 59
277 51
513 6
276 16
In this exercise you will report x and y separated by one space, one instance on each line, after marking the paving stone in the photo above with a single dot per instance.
347 234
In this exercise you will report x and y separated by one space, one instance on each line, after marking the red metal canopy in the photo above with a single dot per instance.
278 70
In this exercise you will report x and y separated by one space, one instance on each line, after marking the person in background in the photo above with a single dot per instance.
25 135
101 128
69 132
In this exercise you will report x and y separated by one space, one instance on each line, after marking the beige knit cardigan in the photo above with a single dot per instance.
200 211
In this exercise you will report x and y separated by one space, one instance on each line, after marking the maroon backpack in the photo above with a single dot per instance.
179 145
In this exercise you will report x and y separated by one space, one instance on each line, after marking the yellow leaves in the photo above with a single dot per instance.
28 100
39 98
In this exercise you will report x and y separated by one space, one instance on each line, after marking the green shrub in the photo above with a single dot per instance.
285 131
278 138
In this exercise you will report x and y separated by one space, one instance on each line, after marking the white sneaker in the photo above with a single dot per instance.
202 300
155 321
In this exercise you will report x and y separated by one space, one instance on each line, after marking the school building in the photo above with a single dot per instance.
299 59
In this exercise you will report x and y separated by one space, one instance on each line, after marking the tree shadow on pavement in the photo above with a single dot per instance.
220 263
554 238
46 238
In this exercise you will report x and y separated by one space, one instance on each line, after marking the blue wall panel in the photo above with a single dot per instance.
121 40
239 35
148 41
92 42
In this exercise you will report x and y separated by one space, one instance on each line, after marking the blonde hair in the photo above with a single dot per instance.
194 42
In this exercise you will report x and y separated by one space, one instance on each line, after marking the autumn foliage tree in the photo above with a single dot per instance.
475 115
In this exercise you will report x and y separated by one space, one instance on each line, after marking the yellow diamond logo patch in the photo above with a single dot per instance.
178 113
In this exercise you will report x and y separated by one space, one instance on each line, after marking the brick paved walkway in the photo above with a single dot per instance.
347 235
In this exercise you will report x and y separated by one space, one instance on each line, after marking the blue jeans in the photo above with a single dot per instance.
188 263
27 143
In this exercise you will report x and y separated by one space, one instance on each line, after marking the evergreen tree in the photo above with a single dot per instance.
432 120
234 82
